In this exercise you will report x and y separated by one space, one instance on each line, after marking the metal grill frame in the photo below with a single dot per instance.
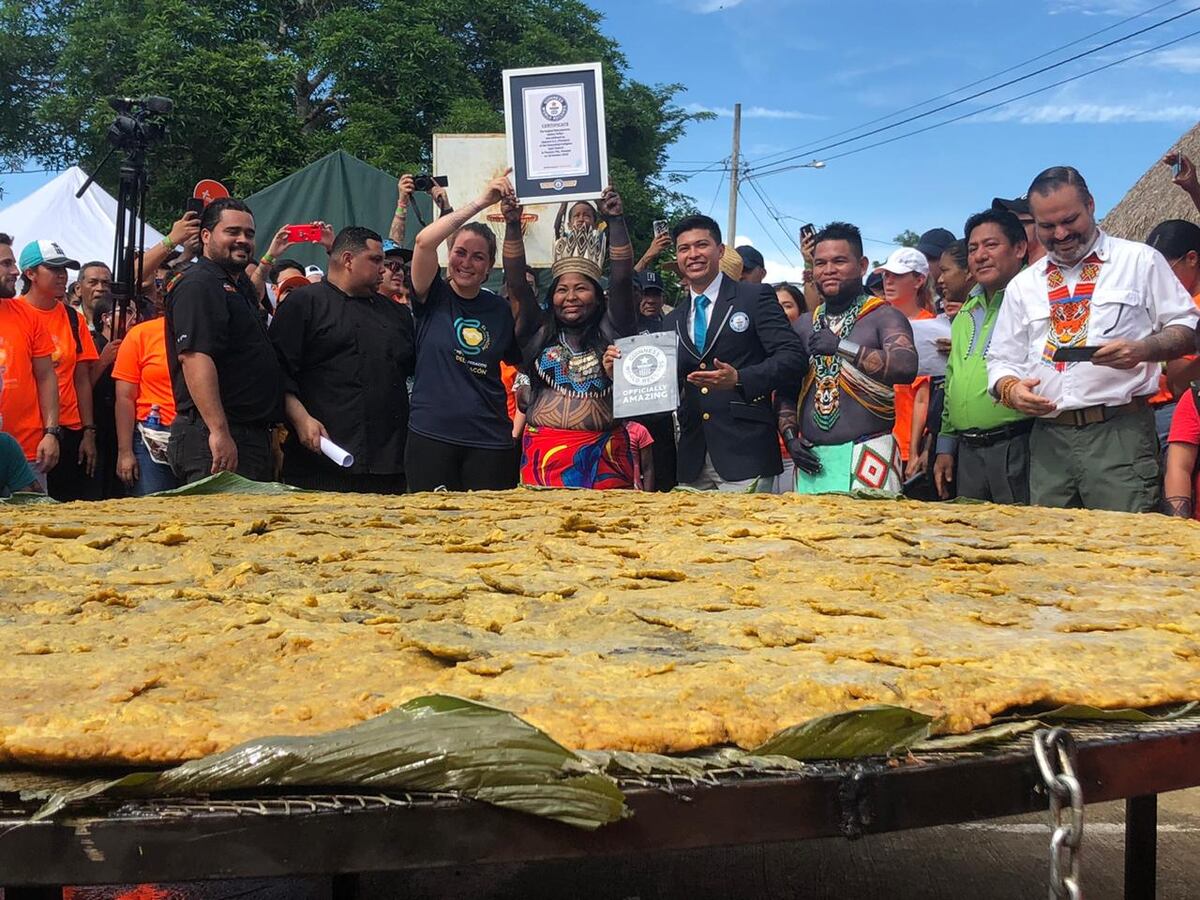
345 834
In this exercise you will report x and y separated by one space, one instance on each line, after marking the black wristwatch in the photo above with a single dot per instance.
54 431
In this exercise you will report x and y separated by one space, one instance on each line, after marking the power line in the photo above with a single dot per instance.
763 226
775 214
708 166
720 181
762 160
982 93
994 106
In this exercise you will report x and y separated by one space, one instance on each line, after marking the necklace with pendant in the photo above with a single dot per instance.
826 395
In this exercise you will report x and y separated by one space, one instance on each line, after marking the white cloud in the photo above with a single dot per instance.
751 112
1095 7
1091 114
777 270
704 7
780 271
1177 59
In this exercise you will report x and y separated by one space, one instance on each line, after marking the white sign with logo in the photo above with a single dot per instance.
645 378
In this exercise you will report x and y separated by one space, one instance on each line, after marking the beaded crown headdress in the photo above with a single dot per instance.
580 251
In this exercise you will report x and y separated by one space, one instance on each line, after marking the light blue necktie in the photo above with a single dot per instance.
701 325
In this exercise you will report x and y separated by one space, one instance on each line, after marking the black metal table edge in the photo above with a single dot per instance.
856 799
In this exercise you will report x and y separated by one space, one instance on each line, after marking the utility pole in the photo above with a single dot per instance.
731 233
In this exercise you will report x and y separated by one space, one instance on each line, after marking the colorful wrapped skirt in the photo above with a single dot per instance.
596 460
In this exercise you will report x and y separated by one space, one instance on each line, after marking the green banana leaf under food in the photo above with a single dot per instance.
221 483
447 744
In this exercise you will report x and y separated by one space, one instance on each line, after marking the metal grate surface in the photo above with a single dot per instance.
264 804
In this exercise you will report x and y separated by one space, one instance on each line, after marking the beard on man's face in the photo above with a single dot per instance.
847 292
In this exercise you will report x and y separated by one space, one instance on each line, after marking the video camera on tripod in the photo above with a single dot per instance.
140 122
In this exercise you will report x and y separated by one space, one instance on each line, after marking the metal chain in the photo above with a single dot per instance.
1054 750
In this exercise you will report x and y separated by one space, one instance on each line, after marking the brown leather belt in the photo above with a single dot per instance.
1094 415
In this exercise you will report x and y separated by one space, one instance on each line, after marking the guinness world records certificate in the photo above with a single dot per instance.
554 127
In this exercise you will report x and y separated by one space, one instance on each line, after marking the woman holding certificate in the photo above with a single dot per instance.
460 435
571 439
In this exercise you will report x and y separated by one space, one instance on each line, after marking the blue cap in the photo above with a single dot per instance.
45 253
391 248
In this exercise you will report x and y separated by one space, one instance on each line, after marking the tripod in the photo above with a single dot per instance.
130 238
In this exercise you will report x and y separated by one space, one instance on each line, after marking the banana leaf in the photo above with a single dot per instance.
870 731
432 744
22 498
977 738
229 483
1095 714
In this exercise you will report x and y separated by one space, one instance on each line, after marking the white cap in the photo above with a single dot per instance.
316 270
906 260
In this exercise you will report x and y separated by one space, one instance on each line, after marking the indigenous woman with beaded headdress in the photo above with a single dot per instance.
570 439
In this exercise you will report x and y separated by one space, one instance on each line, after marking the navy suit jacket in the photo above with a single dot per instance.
738 428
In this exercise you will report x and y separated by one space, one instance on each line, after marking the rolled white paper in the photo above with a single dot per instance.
342 457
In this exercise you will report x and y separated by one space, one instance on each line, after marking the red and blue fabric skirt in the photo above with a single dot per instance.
594 460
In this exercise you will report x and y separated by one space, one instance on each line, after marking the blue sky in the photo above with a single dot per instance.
804 70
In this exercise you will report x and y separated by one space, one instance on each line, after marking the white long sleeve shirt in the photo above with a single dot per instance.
1136 295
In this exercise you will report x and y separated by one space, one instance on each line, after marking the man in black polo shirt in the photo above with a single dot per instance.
346 351
227 384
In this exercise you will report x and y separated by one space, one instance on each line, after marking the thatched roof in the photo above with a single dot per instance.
1154 197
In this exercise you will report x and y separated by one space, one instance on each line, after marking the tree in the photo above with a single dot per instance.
907 238
263 87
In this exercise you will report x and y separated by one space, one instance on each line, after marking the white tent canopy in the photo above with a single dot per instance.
85 228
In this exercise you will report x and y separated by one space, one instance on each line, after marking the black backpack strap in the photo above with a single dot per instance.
73 318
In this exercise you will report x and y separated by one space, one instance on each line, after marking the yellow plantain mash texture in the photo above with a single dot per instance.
154 631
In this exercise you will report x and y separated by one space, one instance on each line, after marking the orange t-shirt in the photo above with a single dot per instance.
508 375
22 339
58 326
905 395
142 362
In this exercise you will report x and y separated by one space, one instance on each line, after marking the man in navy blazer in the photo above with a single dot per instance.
735 347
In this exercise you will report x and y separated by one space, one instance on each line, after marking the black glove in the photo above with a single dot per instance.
823 343
802 455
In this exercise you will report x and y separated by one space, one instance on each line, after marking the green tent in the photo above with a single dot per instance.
337 189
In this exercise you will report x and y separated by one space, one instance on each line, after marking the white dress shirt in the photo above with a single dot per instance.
711 293
1136 295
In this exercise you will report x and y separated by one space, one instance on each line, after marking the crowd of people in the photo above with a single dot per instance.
1035 359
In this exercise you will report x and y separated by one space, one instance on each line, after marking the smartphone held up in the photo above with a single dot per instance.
304 234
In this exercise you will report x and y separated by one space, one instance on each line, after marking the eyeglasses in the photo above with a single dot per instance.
397 267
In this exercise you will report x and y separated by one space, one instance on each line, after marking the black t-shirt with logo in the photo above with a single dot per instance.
458 396
210 312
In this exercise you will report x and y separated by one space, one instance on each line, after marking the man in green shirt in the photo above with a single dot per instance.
990 441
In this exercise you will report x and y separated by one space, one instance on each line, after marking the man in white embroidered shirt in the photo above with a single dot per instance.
1077 344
